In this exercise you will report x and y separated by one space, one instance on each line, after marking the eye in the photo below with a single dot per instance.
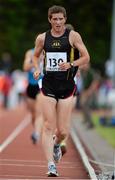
55 19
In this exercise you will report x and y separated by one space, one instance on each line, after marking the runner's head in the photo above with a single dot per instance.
55 10
57 18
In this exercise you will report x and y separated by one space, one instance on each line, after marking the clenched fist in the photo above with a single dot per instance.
64 66
36 74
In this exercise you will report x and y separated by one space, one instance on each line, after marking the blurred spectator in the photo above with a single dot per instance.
6 62
5 85
17 92
5 70
106 101
103 92
91 81
2 82
79 83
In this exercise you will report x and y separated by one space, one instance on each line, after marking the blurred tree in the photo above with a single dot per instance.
22 20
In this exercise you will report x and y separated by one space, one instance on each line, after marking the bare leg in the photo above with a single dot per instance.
31 107
64 110
49 115
38 124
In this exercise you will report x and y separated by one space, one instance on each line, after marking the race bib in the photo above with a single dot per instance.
53 60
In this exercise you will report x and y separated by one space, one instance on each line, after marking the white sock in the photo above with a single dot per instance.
51 163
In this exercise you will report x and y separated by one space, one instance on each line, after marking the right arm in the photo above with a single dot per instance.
27 65
39 43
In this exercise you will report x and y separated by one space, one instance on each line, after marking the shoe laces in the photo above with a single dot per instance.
52 168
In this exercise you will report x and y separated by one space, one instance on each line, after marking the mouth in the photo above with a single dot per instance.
58 26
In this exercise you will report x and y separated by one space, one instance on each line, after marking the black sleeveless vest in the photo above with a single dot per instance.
60 44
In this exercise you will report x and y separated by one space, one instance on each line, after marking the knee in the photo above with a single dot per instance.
62 135
63 131
48 127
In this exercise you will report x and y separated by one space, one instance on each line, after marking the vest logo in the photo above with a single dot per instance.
56 44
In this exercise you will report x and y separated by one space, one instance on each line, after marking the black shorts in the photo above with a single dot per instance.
32 90
58 89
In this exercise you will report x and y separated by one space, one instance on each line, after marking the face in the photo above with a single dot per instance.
57 22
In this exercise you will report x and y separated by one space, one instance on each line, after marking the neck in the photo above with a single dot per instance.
57 33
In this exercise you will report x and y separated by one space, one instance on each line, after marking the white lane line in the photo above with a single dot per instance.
36 178
33 177
16 132
33 161
38 165
83 154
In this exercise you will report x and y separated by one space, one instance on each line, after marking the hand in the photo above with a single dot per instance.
36 74
64 66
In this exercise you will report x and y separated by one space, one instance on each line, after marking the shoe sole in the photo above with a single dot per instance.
52 174
34 141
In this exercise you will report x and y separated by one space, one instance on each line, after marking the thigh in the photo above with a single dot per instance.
48 106
30 104
64 110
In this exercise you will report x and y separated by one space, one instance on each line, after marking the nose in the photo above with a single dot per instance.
58 21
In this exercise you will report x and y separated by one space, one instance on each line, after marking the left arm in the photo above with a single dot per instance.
77 43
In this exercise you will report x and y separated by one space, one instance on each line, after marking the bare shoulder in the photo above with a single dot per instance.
40 38
28 53
75 35
76 39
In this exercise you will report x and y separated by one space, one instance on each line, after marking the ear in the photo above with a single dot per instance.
49 20
65 19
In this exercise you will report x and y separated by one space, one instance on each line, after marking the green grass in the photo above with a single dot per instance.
108 133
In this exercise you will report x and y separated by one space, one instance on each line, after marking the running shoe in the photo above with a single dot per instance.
63 147
57 153
34 138
52 172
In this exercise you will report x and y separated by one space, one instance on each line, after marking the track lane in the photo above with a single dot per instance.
9 119
22 160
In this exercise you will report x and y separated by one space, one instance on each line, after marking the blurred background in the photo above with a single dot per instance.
94 106
22 20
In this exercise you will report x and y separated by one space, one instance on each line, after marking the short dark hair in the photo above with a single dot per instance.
56 9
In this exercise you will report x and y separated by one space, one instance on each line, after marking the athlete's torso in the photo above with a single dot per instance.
57 50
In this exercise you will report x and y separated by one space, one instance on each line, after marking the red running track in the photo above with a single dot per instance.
20 159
